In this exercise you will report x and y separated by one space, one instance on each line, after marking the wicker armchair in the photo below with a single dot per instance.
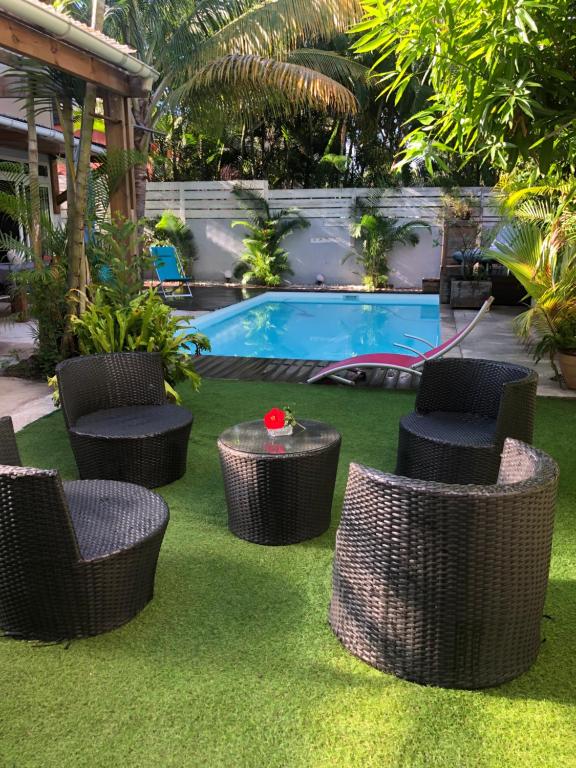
445 584
120 425
464 411
77 558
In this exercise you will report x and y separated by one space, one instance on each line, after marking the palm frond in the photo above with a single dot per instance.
344 70
275 27
251 84
10 243
520 251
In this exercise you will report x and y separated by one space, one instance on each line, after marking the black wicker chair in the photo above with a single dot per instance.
464 411
445 584
120 424
76 558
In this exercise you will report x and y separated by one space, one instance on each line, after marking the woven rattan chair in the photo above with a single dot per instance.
76 558
120 424
445 584
464 411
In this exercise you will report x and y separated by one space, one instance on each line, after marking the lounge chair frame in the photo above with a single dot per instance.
180 280
354 363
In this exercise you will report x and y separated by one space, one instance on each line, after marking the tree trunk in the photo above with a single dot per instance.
77 270
142 145
35 233
77 263
66 117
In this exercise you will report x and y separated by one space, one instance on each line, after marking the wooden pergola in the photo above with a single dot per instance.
118 74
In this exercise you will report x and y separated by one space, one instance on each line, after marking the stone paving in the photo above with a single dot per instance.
494 339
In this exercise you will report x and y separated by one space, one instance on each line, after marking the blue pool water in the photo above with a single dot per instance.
317 326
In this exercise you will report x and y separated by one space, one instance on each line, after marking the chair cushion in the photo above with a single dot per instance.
133 421
449 427
109 516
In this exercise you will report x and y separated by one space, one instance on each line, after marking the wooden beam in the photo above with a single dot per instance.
31 42
120 137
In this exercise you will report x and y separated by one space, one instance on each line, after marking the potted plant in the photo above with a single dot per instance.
539 249
471 289
280 422
378 235
460 223
560 345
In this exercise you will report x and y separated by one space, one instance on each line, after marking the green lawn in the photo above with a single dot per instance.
233 663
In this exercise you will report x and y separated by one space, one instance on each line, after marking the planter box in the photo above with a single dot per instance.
430 285
469 294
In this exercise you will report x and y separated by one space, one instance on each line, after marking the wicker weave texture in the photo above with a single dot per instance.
279 499
9 453
119 422
76 559
465 409
445 585
74 571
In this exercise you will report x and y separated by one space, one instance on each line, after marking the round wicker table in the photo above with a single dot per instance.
279 489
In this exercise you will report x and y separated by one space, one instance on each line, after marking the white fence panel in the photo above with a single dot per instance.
209 208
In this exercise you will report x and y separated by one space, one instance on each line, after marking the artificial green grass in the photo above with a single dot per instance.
233 663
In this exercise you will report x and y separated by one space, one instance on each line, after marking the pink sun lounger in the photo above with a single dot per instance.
401 362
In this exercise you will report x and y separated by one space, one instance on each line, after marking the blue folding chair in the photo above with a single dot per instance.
170 272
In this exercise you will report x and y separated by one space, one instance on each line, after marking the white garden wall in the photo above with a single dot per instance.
209 208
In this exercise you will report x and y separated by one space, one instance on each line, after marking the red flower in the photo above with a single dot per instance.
275 419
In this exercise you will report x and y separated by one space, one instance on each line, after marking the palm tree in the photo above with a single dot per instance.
265 261
232 58
378 235
539 249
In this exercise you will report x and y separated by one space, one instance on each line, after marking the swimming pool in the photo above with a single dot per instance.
321 326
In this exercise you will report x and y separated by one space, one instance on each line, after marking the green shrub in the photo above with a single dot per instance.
264 261
143 324
377 235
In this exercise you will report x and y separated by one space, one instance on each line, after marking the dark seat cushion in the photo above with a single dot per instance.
454 428
133 421
109 516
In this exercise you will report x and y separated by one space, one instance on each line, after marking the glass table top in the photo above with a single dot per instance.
253 437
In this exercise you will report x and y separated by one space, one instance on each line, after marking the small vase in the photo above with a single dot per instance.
282 432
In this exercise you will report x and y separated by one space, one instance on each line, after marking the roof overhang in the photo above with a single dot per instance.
14 135
33 29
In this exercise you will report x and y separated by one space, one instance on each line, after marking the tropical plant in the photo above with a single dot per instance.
500 73
539 249
115 263
48 286
224 58
264 261
143 324
169 229
47 291
377 235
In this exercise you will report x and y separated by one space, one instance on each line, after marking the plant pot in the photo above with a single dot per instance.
469 294
430 285
567 362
